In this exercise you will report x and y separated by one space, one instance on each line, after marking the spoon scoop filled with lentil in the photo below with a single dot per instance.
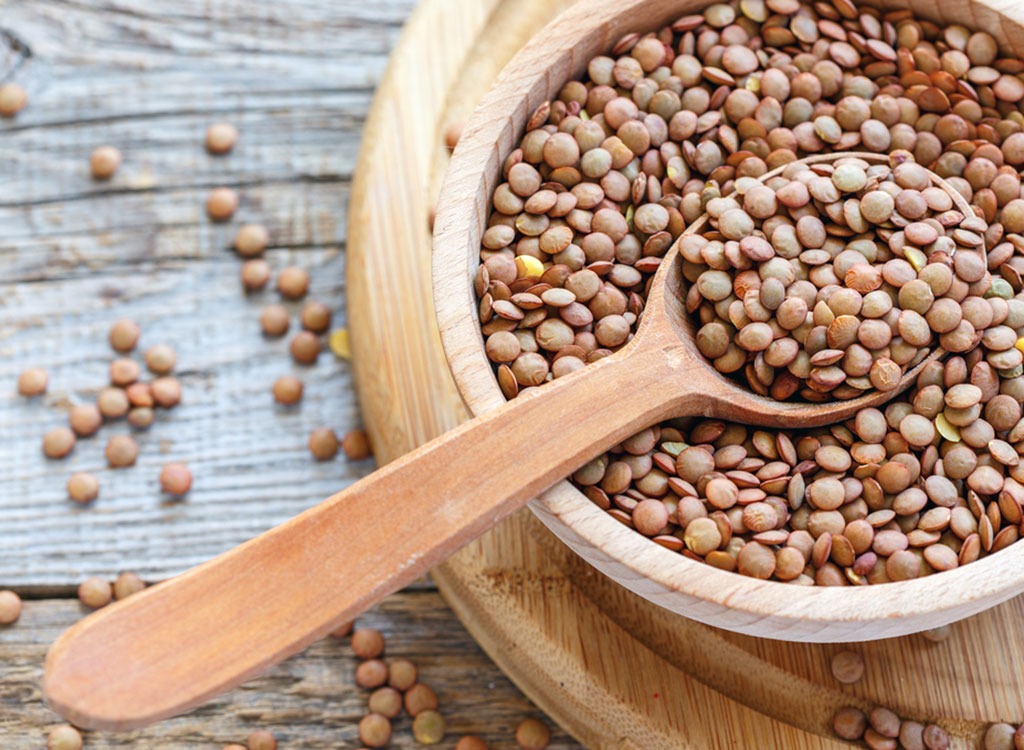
183 641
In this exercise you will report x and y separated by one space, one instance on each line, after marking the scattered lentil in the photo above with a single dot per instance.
420 698
288 390
83 488
94 592
471 742
127 584
293 282
121 451
356 445
85 419
367 643
104 162
261 739
316 317
251 240
274 320
175 479
847 667
255 274
161 359
113 403
428 727
371 674
12 99
221 203
374 730
124 372
10 607
401 674
124 335
385 701
33 382
305 347
533 734
166 391
64 737
323 443
221 137
58 442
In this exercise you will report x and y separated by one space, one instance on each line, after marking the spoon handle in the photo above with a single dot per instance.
177 644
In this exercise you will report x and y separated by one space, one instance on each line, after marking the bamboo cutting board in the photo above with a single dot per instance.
614 670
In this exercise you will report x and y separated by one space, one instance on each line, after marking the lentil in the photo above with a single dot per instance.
288 390
316 317
104 162
33 382
113 403
83 488
85 419
127 584
221 137
64 737
121 451
533 734
385 701
367 643
221 204
94 592
251 240
374 730
293 282
261 739
420 698
124 335
175 479
255 274
323 444
10 607
356 445
274 320
428 727
161 359
12 99
58 442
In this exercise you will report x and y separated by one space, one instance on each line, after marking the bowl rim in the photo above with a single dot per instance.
725 599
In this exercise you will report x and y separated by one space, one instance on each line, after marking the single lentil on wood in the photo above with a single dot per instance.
684 120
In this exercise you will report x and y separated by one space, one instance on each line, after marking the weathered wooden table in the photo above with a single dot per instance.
296 77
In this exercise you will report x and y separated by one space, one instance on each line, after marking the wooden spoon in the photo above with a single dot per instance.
173 646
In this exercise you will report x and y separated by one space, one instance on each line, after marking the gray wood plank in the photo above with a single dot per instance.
308 702
297 78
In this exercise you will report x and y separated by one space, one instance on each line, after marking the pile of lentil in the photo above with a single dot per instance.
668 126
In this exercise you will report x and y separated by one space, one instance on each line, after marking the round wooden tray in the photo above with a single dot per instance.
610 667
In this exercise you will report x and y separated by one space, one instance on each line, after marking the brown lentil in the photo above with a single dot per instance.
33 382
12 99
420 698
124 372
356 445
58 442
127 584
251 240
121 451
274 320
166 391
83 488
221 137
315 317
401 674
293 282
175 479
288 390
104 162
323 443
64 737
113 403
255 274
533 734
385 701
161 359
221 204
371 674
367 643
305 347
124 335
85 419
428 727
261 739
471 742
374 730
10 607
847 667
94 592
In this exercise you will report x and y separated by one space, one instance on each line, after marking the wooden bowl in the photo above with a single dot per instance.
728 600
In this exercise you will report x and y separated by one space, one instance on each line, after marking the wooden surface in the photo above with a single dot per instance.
615 670
297 77
310 702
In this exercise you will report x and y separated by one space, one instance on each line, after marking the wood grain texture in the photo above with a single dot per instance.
297 79
763 608
310 702
652 679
